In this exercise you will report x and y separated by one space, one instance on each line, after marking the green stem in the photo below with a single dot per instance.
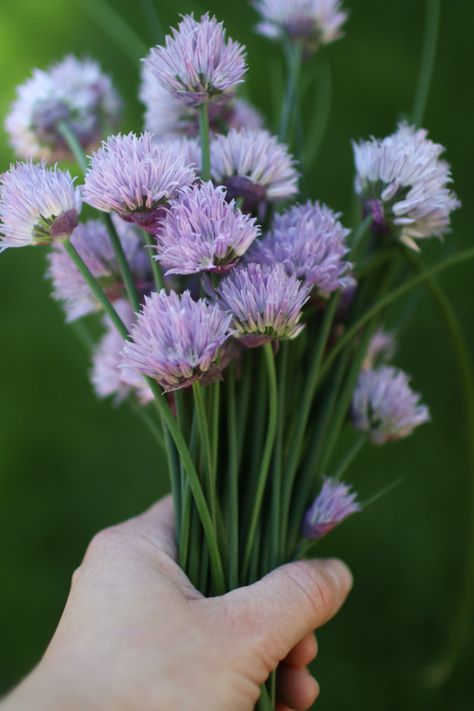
433 12
310 386
73 145
356 238
350 456
464 614
116 27
321 113
267 453
276 506
123 264
233 483
215 425
195 484
205 142
96 289
152 20
155 267
203 428
389 299
294 56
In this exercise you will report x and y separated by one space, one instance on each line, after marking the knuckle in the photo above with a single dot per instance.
104 541
316 588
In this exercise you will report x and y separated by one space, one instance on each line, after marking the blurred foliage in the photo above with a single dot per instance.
70 465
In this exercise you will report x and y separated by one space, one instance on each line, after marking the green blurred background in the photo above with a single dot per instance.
70 465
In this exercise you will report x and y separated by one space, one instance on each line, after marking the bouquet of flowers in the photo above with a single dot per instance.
242 319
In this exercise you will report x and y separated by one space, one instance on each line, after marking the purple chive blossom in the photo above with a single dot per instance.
74 91
309 241
135 177
203 232
403 184
166 116
186 147
265 303
314 22
381 349
384 405
92 241
38 205
197 62
334 503
176 340
253 166
106 376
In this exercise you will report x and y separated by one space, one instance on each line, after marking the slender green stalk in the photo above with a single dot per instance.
205 142
291 107
82 334
195 484
356 238
175 480
310 386
463 618
203 429
391 298
124 266
233 483
276 492
320 116
155 267
215 425
433 12
349 457
73 145
96 289
267 453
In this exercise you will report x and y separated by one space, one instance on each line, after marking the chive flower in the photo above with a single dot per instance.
176 341
265 302
203 232
334 503
313 22
403 184
197 62
254 166
166 116
309 241
136 178
38 205
385 407
73 91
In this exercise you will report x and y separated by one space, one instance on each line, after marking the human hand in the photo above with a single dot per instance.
136 636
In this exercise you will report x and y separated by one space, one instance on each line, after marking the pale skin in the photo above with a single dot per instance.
136 636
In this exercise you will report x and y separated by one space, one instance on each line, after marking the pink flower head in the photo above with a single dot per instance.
197 62
136 177
176 340
334 503
203 232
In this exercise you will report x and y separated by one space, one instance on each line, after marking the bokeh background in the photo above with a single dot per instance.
70 465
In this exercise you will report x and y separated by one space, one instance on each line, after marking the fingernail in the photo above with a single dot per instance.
340 573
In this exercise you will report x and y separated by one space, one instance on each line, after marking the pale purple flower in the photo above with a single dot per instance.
92 242
166 116
309 241
135 177
334 503
106 376
265 302
384 405
253 166
403 184
314 22
203 232
74 91
38 205
186 147
197 62
176 340
381 349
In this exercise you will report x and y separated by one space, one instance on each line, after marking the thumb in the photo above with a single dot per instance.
292 601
